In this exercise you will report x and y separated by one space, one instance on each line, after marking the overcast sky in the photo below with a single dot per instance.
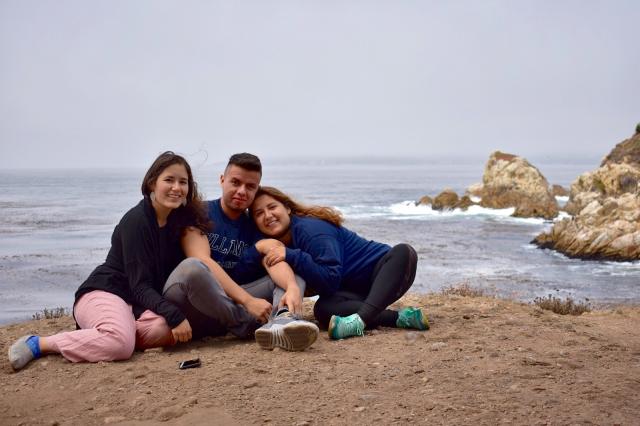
112 83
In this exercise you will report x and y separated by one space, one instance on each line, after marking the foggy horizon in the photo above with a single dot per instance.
110 85
218 164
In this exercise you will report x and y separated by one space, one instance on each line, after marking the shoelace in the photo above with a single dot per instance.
410 317
353 326
285 314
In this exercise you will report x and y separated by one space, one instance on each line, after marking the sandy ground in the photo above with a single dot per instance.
484 361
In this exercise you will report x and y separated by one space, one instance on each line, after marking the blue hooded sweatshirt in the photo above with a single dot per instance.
331 257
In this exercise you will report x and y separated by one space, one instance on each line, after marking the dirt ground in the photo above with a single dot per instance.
484 361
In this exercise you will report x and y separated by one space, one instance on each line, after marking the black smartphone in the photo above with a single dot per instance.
191 363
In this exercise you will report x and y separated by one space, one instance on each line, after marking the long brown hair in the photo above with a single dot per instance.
194 212
320 212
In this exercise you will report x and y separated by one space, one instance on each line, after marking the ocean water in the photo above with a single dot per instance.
56 225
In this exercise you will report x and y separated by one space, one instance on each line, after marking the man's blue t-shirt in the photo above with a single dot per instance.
231 239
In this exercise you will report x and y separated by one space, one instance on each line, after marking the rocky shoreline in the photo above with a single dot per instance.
604 204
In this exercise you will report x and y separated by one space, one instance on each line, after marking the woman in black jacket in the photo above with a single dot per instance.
120 306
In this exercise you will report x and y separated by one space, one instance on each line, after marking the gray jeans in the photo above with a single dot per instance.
193 289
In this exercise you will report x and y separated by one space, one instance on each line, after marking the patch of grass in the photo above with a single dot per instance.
562 307
463 289
51 313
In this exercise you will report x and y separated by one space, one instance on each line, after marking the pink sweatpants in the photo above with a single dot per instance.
109 331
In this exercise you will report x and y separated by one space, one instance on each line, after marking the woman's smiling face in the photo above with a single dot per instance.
271 216
171 188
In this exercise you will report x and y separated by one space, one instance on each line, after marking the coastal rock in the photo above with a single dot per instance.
511 181
606 208
475 190
446 200
559 191
464 203
627 151
611 180
424 201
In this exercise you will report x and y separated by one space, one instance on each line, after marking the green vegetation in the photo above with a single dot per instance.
562 307
463 289
51 313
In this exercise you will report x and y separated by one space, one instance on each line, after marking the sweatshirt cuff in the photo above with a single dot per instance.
176 318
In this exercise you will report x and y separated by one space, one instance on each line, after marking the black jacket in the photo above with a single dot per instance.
138 264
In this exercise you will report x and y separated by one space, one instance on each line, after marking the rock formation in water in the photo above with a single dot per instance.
446 200
474 190
606 208
511 181
424 201
508 181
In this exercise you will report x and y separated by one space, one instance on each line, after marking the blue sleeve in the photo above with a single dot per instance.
249 267
319 262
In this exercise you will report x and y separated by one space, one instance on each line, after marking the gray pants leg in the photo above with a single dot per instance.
202 300
265 288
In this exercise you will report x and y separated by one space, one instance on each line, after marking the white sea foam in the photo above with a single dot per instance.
360 211
562 200
616 268
408 210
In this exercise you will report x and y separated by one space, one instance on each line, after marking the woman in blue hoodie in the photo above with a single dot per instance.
356 279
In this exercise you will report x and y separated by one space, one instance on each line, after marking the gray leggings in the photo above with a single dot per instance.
193 289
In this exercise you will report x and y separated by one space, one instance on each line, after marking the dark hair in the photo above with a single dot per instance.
320 212
246 161
191 214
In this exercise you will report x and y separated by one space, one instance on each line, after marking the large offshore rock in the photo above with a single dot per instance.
511 181
606 208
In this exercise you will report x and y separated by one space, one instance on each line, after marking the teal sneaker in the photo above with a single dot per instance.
412 318
342 327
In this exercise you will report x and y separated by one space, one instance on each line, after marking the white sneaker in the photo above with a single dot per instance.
287 332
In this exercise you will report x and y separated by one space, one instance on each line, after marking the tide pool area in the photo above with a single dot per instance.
56 227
